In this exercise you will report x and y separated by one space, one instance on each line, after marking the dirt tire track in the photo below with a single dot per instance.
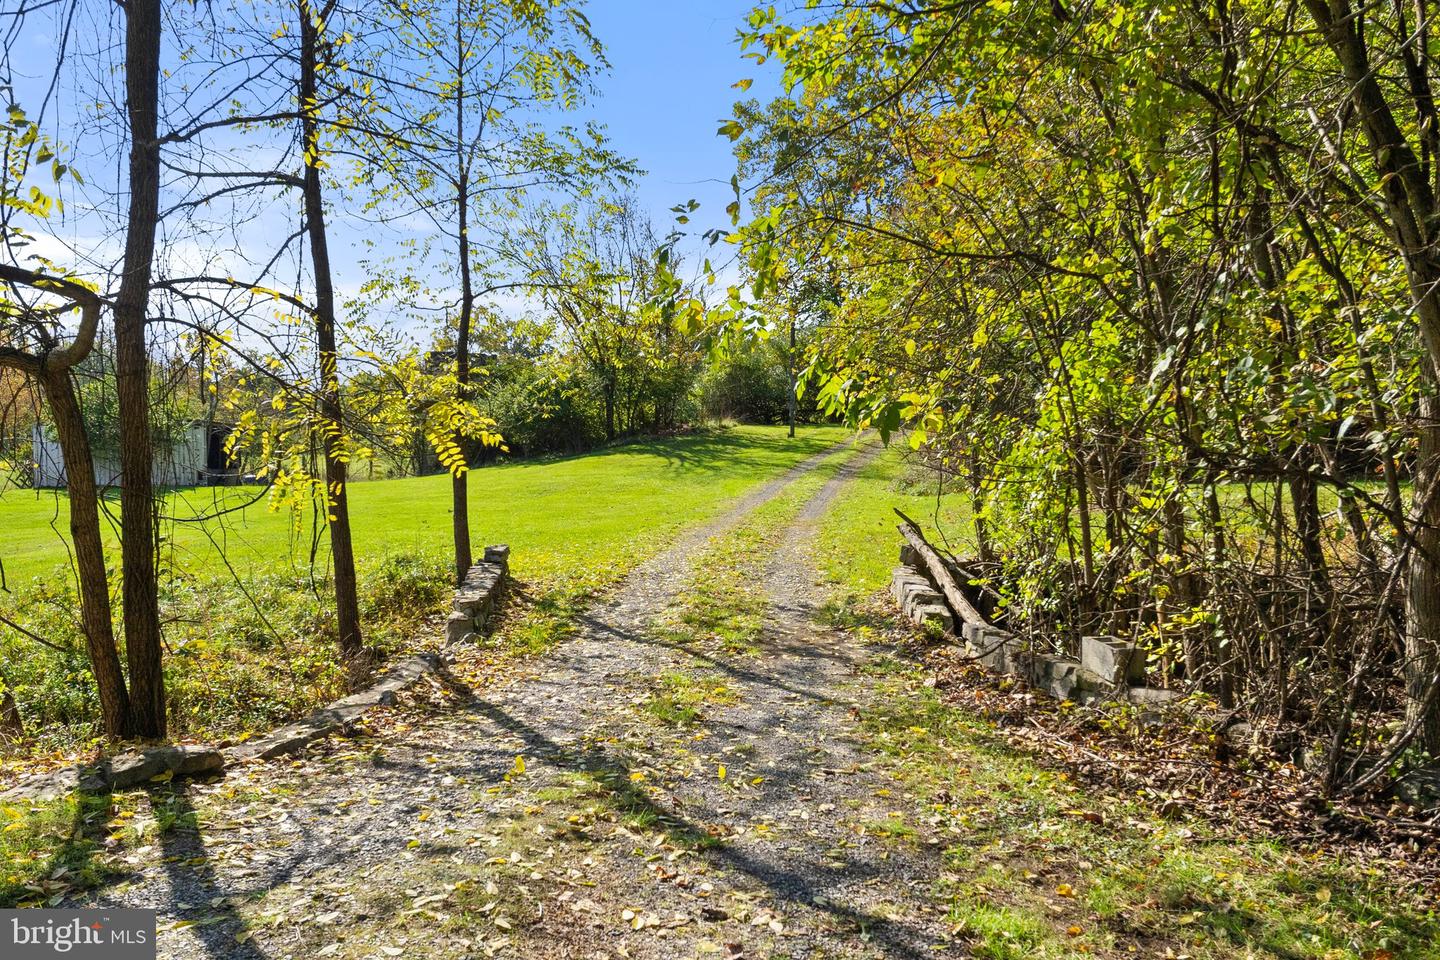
345 821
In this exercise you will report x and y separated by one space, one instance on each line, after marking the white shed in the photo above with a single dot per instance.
197 460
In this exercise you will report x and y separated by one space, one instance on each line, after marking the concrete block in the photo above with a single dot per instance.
1063 679
903 577
459 628
998 649
1152 696
134 769
899 577
1112 660
1057 676
973 633
933 616
909 556
920 595
908 587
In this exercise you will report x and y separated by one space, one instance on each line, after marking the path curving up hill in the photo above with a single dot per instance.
565 815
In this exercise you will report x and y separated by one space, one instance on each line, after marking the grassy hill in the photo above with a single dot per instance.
247 618
547 510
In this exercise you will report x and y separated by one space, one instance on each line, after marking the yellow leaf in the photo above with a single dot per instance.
1065 890
721 772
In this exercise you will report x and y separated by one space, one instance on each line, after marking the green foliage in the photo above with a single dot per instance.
1095 265
622 313
749 384
544 408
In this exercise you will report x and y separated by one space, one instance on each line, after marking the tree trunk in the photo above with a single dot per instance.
95 614
973 473
1410 203
1304 503
1422 602
791 401
460 483
1087 539
347 603
12 725
1183 590
1219 653
610 408
132 375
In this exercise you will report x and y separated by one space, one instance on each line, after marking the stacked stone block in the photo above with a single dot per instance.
919 599
476 598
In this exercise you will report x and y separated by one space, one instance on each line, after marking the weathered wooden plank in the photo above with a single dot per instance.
939 571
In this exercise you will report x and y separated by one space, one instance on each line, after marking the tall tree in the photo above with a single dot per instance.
1123 273
314 55
461 90
30 344
1403 179
137 500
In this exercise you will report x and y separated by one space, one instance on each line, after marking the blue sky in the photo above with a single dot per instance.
670 88
673 67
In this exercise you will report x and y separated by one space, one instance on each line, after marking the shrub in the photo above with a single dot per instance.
242 657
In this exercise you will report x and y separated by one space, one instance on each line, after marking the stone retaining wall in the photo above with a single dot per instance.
474 602
920 601
1107 669
476 598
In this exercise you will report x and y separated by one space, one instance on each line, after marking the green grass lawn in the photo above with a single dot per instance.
254 648
548 511
858 543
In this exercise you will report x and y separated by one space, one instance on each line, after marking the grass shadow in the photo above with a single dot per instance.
51 850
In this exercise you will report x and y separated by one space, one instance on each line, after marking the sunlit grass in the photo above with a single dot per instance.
548 510
254 649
